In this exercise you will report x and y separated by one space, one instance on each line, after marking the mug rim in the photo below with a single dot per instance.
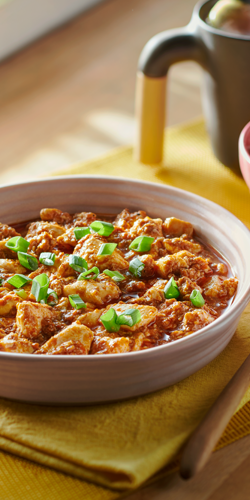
215 31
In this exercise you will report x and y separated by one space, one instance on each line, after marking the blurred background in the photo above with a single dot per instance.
67 79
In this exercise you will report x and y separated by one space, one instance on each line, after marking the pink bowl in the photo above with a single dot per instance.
244 153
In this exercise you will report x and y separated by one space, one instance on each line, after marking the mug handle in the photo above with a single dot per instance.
160 52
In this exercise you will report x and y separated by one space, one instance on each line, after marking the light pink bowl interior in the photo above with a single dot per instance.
244 153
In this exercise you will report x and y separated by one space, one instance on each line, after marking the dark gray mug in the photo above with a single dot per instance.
225 59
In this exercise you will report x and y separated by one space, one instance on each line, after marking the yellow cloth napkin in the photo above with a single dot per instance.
121 445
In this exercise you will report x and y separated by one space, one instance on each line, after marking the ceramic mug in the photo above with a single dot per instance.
225 59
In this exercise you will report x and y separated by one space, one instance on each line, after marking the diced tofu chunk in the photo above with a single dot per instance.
14 343
64 269
68 238
43 242
107 345
148 314
98 293
88 248
5 252
186 286
137 341
6 325
147 226
8 303
126 219
52 228
74 339
10 266
55 215
218 287
198 267
7 232
170 264
30 318
91 318
149 265
183 263
177 244
171 314
177 227
196 319
155 294
84 219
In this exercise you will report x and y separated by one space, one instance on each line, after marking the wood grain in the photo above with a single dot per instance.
226 476
208 433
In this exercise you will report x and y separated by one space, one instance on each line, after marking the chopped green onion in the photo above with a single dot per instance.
76 301
1 281
18 244
107 248
171 290
115 275
80 232
141 244
108 320
77 263
196 298
40 287
129 317
18 280
27 261
47 258
102 228
112 322
136 267
21 293
87 275
52 293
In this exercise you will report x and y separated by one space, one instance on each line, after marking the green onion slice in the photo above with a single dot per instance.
141 244
136 267
89 275
18 280
129 317
115 275
21 294
109 319
107 248
171 290
76 301
27 261
18 244
52 293
47 258
196 298
1 281
102 228
80 232
40 285
77 263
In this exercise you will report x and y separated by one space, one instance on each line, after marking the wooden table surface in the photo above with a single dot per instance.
70 97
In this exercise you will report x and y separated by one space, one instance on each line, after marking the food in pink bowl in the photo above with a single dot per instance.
244 153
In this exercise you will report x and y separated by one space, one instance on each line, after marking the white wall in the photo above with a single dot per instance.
22 21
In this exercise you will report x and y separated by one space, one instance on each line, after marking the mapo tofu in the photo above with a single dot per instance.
86 284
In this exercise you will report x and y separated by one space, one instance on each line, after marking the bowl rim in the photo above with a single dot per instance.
242 142
230 311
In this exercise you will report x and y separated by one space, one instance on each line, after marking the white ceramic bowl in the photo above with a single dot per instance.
91 379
